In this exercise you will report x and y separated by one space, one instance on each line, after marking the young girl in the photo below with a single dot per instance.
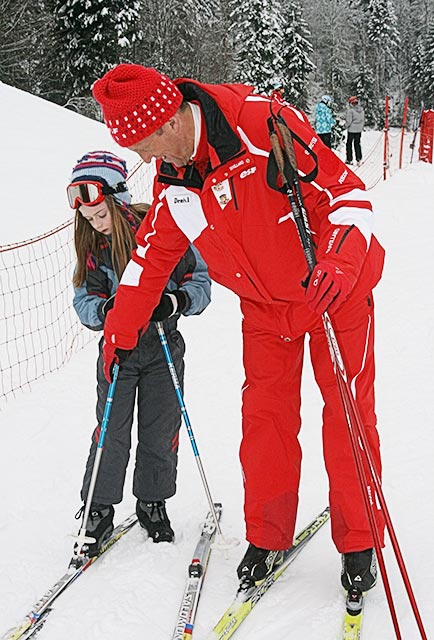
105 227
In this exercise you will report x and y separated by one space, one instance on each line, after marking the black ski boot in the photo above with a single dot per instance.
153 518
99 526
257 564
359 569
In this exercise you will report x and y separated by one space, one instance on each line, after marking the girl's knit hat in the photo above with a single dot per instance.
103 167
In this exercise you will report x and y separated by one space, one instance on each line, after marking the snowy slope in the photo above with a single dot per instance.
41 142
135 590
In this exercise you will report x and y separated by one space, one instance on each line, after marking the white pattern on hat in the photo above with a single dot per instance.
142 96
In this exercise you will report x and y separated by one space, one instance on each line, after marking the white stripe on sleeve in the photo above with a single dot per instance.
131 275
361 218
186 210
251 147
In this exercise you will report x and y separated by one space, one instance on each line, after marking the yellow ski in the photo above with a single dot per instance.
245 600
353 615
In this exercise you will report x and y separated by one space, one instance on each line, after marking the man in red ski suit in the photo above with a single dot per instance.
216 187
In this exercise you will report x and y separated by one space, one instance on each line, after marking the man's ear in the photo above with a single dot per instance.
173 123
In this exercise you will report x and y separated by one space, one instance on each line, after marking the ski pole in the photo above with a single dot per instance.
180 398
303 228
81 537
355 425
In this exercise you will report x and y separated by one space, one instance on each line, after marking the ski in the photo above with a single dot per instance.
34 620
37 626
353 617
196 574
246 599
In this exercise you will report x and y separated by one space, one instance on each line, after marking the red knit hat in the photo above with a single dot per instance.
135 101
353 99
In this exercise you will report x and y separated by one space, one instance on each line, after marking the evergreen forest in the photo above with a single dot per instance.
56 49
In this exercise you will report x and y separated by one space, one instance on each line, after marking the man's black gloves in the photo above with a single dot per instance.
171 303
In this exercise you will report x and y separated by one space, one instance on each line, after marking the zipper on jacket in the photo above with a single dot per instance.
343 237
231 180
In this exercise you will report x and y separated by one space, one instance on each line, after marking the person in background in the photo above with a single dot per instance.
354 122
218 186
324 120
278 90
104 237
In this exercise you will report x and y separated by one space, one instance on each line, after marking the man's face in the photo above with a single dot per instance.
170 143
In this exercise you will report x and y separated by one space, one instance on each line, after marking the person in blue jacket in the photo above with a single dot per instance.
324 120
104 237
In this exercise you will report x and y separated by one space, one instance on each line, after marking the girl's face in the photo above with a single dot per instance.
99 216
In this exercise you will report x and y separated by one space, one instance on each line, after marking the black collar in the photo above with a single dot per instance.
220 136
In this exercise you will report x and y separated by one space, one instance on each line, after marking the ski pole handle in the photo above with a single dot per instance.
292 189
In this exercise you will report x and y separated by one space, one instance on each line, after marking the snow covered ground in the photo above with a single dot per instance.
134 591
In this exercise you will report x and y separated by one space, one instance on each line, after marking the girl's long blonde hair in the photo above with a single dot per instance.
88 241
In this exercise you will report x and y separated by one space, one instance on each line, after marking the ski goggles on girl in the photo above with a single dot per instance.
91 193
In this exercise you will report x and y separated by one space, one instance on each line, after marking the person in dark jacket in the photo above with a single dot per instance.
355 121
105 226
278 90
